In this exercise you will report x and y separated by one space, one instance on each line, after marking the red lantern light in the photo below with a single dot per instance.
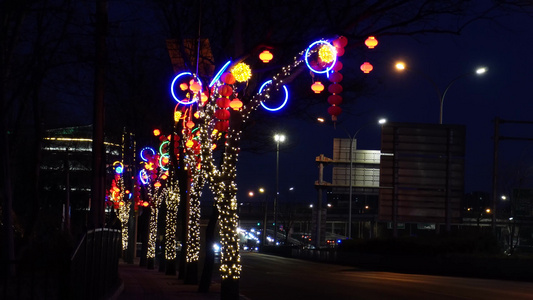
335 88
335 99
190 124
335 77
222 114
338 66
317 87
235 104
266 56
366 67
227 78
222 126
225 90
340 42
334 110
371 42
223 102
340 51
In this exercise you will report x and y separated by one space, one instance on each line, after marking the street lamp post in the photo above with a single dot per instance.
350 195
481 70
278 138
264 234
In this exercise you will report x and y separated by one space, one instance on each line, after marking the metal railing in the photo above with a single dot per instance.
94 264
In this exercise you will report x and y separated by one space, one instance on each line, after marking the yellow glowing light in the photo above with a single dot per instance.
241 72
184 86
189 143
157 184
195 86
177 116
327 53
371 42
157 132
235 104
317 87
400 66
266 56
204 98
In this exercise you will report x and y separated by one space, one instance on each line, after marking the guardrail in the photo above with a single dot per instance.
94 264
90 273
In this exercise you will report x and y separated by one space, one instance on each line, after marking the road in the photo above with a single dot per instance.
271 277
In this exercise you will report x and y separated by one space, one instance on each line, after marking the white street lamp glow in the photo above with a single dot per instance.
382 121
481 70
279 138
400 65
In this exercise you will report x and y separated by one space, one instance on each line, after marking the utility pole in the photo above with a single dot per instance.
98 165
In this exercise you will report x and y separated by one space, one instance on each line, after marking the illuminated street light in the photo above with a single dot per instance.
278 138
350 200
401 66
352 138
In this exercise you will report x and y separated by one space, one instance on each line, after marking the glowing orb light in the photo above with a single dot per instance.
241 72
119 167
327 54
307 54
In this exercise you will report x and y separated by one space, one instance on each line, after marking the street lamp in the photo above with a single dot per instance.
401 66
352 138
278 138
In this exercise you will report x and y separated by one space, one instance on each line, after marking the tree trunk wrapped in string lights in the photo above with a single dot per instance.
193 233
157 195
172 202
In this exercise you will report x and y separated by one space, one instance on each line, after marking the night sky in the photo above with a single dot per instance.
474 101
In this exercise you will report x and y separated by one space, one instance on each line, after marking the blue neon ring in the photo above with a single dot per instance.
142 151
307 55
143 177
284 102
174 94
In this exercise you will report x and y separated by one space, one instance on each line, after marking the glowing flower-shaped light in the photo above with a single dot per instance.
327 53
241 72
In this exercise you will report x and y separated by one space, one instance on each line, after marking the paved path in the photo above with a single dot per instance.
139 283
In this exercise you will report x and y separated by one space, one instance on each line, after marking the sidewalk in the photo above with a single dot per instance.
139 283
